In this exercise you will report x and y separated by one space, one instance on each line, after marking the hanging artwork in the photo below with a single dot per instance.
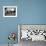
9 11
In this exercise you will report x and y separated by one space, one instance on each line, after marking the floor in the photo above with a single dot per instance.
28 43
7 45
31 43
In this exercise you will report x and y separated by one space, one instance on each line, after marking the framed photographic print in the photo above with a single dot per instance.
9 11
33 32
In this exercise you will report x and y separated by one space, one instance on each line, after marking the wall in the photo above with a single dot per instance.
7 25
29 12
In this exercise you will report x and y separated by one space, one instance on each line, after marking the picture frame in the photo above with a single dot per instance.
9 11
39 28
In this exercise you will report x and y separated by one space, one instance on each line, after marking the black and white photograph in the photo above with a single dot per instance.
29 34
